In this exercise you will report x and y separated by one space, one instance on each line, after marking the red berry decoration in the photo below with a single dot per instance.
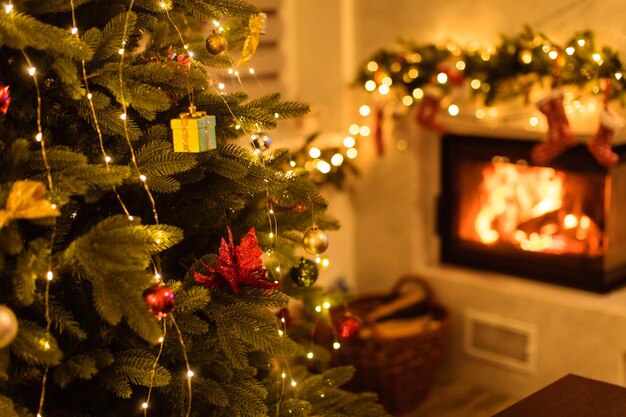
160 299
348 327
5 98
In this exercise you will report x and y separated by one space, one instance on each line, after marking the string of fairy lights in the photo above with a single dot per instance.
41 139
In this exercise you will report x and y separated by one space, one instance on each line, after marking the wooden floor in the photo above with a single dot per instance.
462 400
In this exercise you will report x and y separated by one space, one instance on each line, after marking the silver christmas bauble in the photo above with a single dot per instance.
315 241
8 326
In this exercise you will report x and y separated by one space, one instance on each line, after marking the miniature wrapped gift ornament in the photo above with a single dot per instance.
194 131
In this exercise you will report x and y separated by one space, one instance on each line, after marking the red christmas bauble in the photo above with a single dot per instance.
348 327
160 299
5 99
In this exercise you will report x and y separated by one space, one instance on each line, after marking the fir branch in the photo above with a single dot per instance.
67 72
194 325
20 31
31 264
64 322
4 364
77 367
49 6
108 117
116 244
111 37
192 299
35 345
6 407
116 384
216 9
157 159
163 185
210 391
136 367
243 402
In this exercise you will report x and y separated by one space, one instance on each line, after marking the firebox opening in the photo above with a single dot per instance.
561 223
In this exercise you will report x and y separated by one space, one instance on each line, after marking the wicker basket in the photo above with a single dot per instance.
400 370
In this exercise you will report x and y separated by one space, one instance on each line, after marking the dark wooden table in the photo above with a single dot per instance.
572 396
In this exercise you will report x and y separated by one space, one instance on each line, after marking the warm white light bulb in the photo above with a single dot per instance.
143 178
326 305
309 355
315 153
50 276
8 8
370 85
89 96
74 31
276 115
318 309
352 153
293 383
121 51
221 86
337 159
31 71
323 167
251 70
189 373
336 345
453 110
349 142
144 406
123 116
442 78
107 159
570 50
38 137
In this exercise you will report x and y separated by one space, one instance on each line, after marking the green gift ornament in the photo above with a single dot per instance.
194 131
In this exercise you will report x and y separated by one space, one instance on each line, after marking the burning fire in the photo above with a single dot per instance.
523 206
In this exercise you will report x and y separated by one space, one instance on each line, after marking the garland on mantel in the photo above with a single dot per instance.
426 73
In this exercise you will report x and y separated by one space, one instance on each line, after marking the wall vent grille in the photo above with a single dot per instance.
501 340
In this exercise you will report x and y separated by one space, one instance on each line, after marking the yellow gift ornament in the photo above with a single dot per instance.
194 131
26 201
256 28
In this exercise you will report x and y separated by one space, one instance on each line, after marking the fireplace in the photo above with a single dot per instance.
564 223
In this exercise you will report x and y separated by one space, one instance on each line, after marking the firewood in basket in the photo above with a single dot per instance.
413 304
399 328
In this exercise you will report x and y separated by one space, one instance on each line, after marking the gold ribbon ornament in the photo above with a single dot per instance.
256 28
27 201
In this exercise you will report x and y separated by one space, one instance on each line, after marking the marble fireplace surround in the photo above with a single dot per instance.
572 331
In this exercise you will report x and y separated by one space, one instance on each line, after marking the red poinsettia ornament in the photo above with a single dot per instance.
237 266
5 98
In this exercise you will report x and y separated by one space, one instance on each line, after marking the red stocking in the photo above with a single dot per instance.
600 145
560 136
427 112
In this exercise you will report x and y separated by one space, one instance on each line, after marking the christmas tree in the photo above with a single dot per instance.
143 251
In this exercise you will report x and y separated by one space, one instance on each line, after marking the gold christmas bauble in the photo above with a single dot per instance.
8 326
216 43
315 241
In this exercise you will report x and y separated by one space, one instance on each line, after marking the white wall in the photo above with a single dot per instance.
393 209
